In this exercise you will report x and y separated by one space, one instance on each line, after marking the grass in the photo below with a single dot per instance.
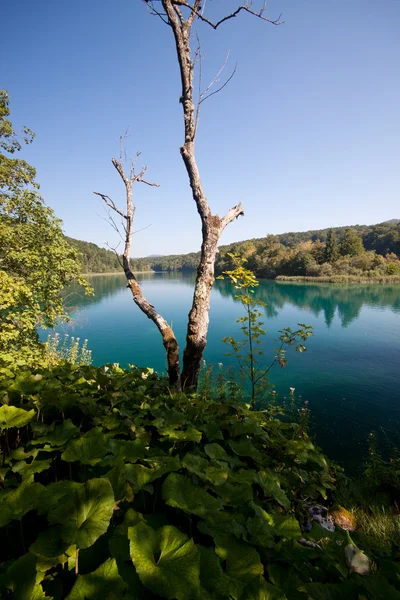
377 516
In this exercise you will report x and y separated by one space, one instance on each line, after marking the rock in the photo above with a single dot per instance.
343 518
320 515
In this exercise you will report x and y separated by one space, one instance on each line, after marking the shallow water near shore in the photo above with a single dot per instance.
350 374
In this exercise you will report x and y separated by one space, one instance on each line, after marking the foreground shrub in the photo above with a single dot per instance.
112 487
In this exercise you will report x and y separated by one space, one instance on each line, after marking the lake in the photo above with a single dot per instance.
350 374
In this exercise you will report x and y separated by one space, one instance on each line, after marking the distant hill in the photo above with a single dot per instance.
99 260
383 238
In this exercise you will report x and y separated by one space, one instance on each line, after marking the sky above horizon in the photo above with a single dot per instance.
306 134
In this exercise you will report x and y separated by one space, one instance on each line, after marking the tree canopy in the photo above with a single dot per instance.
36 261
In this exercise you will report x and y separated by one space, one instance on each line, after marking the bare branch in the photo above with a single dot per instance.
116 254
110 203
142 229
245 7
155 12
220 88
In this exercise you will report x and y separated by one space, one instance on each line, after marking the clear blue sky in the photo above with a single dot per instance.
306 135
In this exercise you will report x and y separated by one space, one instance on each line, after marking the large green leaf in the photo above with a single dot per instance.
85 513
166 560
190 434
140 476
105 583
180 492
215 472
271 486
22 579
14 504
49 548
59 436
216 452
11 416
28 469
223 522
261 530
213 578
244 447
129 451
242 560
88 449
117 477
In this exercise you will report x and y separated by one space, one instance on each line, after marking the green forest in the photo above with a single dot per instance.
359 251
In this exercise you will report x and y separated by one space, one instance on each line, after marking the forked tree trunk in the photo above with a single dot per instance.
212 225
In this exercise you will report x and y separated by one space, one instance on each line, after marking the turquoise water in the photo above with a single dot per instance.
350 374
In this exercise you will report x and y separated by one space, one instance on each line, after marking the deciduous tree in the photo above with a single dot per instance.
36 261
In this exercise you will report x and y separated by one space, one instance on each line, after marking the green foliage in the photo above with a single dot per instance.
36 261
351 244
248 351
367 251
111 486
331 247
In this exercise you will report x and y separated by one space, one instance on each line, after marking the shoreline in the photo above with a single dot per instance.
112 273
393 279
382 280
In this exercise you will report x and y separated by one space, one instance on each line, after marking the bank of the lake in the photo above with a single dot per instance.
349 374
387 280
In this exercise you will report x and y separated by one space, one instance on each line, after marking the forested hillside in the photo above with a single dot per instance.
99 260
357 250
372 250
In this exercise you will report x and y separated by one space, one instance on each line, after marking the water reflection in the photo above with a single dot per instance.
343 300
346 300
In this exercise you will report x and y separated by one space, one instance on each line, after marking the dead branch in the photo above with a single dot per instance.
195 11
169 340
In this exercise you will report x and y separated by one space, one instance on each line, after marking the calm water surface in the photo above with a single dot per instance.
350 374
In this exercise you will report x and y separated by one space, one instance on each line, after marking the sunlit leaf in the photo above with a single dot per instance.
88 449
11 416
166 561
85 513
105 583
242 560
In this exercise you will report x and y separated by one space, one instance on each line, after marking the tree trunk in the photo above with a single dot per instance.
169 341
211 225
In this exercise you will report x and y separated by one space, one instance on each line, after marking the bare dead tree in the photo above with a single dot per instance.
168 337
180 16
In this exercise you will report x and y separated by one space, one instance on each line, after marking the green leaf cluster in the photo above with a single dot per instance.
114 487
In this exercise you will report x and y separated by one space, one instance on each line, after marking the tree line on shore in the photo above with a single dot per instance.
359 250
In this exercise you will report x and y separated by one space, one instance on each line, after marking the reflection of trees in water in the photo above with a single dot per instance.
347 300
105 286
328 299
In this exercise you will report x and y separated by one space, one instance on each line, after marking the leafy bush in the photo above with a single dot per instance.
112 487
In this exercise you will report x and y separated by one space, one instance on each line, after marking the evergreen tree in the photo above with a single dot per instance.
331 248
